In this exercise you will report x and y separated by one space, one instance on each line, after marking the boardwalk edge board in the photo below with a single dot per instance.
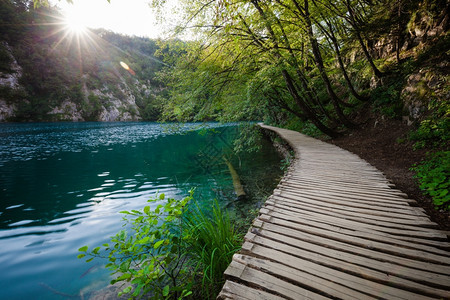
336 228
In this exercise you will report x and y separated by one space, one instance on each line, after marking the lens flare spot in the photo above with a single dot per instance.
126 67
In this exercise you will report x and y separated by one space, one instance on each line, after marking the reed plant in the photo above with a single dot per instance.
212 239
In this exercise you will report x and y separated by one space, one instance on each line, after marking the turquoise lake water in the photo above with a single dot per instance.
62 186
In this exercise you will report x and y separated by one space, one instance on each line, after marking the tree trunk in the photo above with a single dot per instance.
319 63
238 187
355 26
311 116
333 39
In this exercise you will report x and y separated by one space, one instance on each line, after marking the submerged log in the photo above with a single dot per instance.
238 187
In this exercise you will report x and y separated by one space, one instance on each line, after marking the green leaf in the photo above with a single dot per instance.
146 209
144 240
158 244
89 260
124 276
81 255
186 294
83 249
162 196
137 291
165 291
126 290
96 249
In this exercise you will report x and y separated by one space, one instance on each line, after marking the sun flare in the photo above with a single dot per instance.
75 22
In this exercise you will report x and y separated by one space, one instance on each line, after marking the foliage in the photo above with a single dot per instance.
386 98
5 59
164 248
249 138
434 178
434 131
212 241
151 261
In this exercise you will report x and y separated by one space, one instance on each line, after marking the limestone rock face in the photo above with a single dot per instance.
422 87
9 82
67 111
6 110
107 103
99 105
11 79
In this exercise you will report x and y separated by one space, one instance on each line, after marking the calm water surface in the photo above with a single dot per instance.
63 184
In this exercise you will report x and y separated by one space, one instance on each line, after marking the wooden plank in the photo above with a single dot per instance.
357 241
352 211
358 250
299 202
268 282
407 230
356 193
321 250
356 201
380 186
366 228
353 201
336 175
330 281
235 291
302 275
348 229
338 186
379 193
352 180
335 228
351 264
352 237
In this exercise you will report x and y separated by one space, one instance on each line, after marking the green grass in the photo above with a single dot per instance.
213 239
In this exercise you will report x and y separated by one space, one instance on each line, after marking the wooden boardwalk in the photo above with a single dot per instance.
335 228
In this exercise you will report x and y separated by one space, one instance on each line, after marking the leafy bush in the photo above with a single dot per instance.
386 98
166 249
433 174
434 131
249 139
152 260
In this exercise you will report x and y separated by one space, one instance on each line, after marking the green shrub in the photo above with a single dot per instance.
249 139
433 174
434 131
152 260
165 249
386 98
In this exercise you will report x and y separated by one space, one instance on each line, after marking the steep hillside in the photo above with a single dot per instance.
48 73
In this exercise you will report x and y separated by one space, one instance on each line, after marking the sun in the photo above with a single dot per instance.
75 22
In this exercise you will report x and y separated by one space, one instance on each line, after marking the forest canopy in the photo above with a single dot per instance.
313 63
